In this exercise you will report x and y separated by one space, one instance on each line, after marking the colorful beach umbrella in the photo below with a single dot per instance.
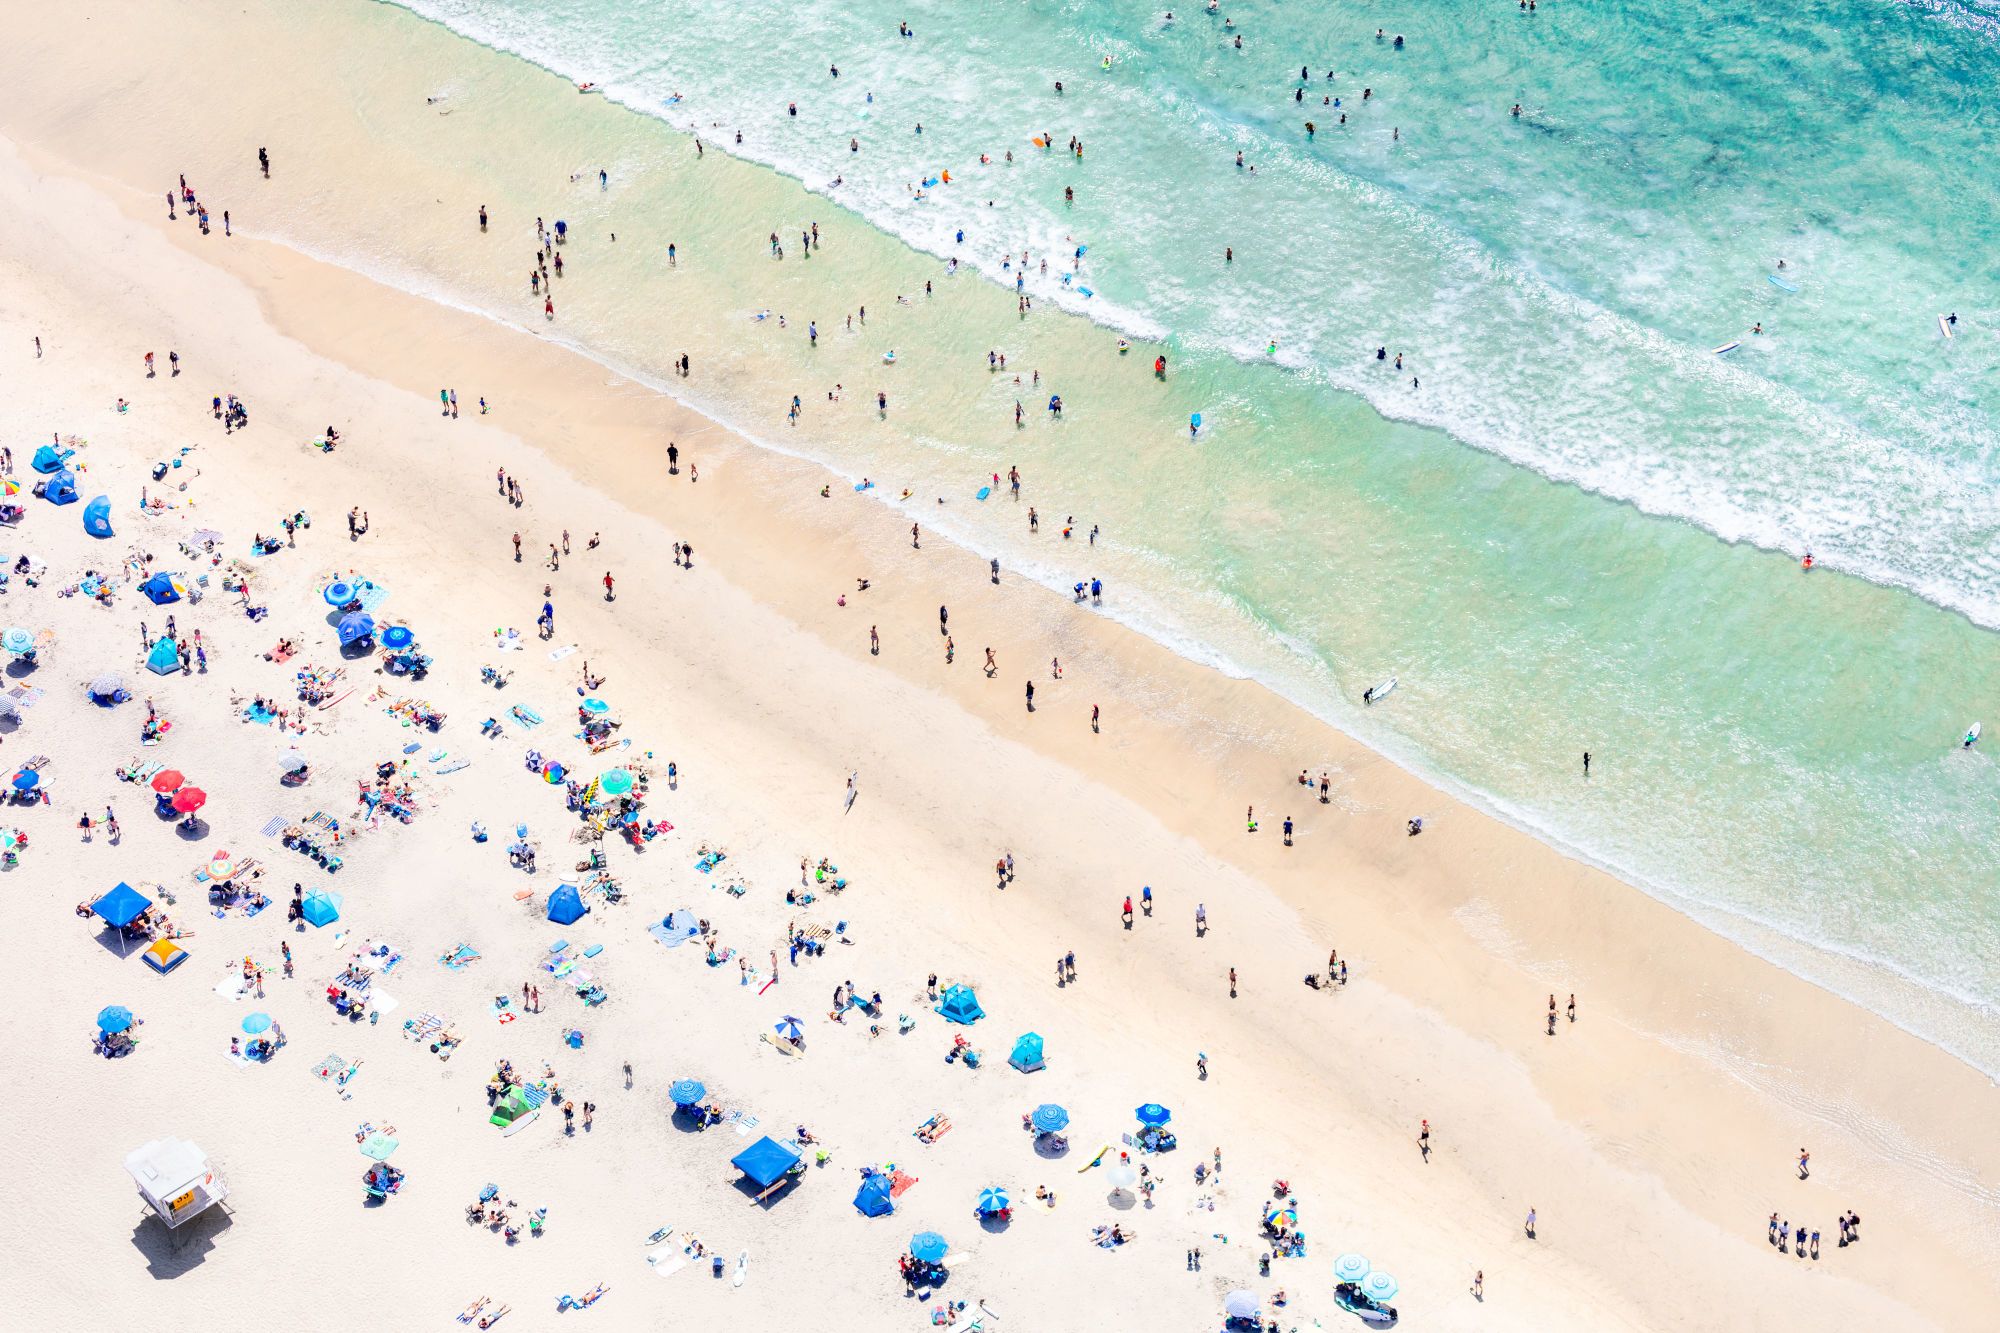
615 781
377 1147
1282 1217
170 780
338 593
927 1247
291 761
16 640
1350 1267
1153 1115
256 1023
993 1199
114 1018
190 799
688 1092
554 773
790 1028
1048 1118
27 780
1379 1286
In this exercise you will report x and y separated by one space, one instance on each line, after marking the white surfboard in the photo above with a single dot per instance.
1728 347
1375 694
1971 737
1944 326
742 1269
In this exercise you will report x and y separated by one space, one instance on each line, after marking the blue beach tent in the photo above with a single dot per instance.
1027 1056
97 517
48 458
165 658
960 1005
322 908
121 906
873 1199
161 589
766 1161
61 488
566 905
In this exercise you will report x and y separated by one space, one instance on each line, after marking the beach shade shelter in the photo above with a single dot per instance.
377 1147
175 1179
122 906
322 908
1048 1118
163 588
163 956
338 593
61 488
875 1198
1350 1267
113 1018
789 1028
17 641
767 1162
168 780
49 459
107 687
164 658
615 781
190 799
97 517
1027 1056
355 626
1152 1115
566 905
397 636
511 1106
927 1247
256 1023
291 761
1379 1286
1278 1215
960 1005
993 1201
27 780
1240 1304
688 1092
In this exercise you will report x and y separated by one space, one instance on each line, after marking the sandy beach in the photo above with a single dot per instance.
1652 1134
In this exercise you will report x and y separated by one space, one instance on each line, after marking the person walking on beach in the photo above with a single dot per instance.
1479 1284
1572 1007
1586 763
874 642
1125 914
1424 1140
264 163
1805 1164
1232 983
1200 920
609 594
1031 696
1552 1015
1531 1224
992 667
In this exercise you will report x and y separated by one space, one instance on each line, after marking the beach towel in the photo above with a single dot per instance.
558 654
231 987
370 595
593 951
273 826
667 1260
260 715
525 715
327 1068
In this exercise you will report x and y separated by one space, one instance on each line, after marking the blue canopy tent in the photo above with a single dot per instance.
322 908
355 626
767 1162
874 1198
1027 1056
162 588
960 1005
61 488
48 458
122 906
165 657
97 517
566 905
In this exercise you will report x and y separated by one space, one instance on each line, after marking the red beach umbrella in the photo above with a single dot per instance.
190 799
168 781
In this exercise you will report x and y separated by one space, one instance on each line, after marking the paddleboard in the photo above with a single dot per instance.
334 700
1780 283
519 1123
864 485
984 491
1095 1160
660 1235
784 1046
1972 736
742 1269
1377 693
1728 347
1944 326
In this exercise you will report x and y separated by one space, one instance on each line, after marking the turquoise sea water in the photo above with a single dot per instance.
1581 531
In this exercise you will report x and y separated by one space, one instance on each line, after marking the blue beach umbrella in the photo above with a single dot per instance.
688 1092
615 781
1153 1115
114 1018
993 1199
355 626
1048 1118
1379 1287
927 1247
17 640
596 705
398 636
377 1147
1350 1267
338 593
255 1023
27 780
789 1028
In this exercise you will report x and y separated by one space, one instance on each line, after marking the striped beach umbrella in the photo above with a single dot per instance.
790 1028
688 1092
1048 1118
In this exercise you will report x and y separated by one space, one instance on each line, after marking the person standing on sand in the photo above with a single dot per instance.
1531 1224
609 594
1200 920
1479 1284
874 642
1031 696
1586 763
264 162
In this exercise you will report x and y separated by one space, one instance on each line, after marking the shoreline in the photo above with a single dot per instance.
1445 927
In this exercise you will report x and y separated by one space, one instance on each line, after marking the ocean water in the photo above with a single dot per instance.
1580 530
